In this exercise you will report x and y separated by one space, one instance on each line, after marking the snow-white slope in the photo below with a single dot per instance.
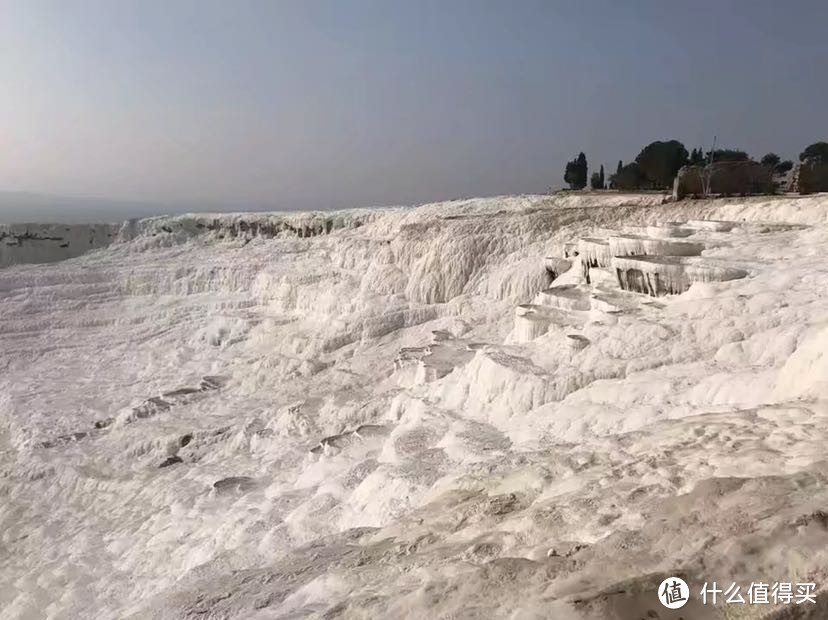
342 415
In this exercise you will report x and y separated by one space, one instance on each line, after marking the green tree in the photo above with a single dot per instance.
816 152
771 159
582 170
627 177
601 177
660 161
784 166
696 158
575 174
729 155
571 174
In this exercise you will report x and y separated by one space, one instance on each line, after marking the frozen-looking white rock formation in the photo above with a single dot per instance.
417 413
637 245
668 275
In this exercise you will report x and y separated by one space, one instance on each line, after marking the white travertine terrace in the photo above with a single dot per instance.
403 413
713 225
668 275
556 265
636 245
666 230
594 252
565 297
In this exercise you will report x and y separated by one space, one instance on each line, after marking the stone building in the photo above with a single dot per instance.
733 178
808 177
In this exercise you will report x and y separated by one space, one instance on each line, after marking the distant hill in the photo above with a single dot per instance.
31 207
19 207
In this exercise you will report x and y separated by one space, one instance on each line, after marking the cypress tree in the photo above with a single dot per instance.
582 171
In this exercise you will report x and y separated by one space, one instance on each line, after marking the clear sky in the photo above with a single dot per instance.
307 104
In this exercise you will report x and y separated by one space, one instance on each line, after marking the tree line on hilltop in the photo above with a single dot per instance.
658 163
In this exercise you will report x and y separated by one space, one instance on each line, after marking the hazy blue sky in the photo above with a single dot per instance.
344 103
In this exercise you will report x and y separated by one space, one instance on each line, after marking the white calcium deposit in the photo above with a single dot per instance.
392 413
